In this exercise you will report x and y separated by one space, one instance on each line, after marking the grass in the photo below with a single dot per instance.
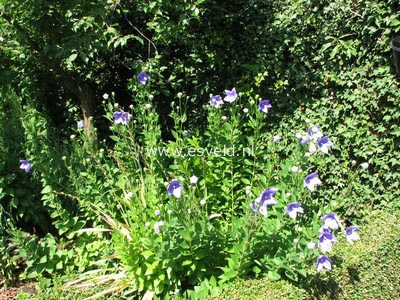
369 269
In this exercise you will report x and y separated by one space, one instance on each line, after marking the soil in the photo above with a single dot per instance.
8 293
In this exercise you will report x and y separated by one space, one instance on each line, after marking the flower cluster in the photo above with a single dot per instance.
216 101
231 95
314 136
260 205
326 239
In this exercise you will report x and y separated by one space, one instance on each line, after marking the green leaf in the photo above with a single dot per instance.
273 276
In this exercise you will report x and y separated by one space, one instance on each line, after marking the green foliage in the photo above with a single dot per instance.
18 202
326 63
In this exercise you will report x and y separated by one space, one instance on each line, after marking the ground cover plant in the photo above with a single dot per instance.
297 87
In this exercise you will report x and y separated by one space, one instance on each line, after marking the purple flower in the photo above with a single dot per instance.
324 262
143 78
216 101
292 209
121 117
80 124
264 106
230 95
266 199
331 221
351 234
175 188
311 181
326 240
324 143
25 165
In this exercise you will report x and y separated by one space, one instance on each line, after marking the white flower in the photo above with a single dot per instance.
277 138
80 124
311 245
157 226
245 110
248 190
294 169
105 96
194 179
